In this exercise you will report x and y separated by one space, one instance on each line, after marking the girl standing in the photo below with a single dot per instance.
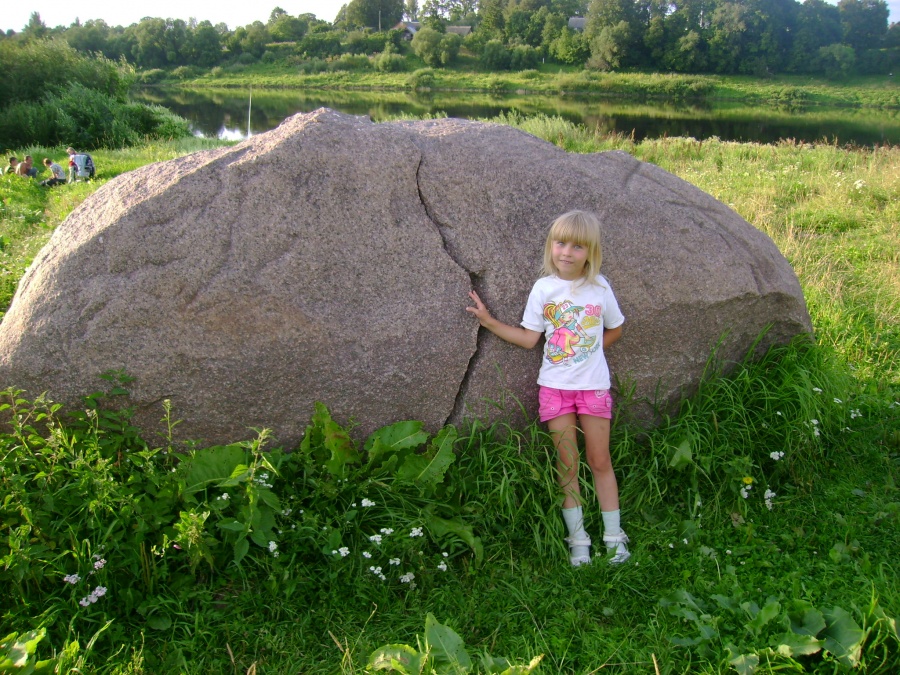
573 306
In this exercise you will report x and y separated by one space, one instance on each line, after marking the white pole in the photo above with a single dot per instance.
249 108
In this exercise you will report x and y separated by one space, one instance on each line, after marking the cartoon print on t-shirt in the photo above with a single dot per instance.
569 338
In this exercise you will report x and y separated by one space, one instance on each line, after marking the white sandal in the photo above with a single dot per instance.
579 551
616 542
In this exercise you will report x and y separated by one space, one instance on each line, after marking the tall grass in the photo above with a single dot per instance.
763 515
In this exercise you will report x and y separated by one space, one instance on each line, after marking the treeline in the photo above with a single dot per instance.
754 37
52 95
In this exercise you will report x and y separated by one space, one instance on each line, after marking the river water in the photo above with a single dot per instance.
231 113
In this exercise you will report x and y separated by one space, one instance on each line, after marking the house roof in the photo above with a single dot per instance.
577 22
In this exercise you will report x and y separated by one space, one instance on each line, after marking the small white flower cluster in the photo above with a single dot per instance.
273 549
375 538
99 563
442 566
855 413
93 597
262 480
777 455
859 185
387 530
72 579
224 497
394 561
416 532
815 426
407 578
366 502
366 554
287 512
838 401
769 496
343 551
745 491
817 390
377 572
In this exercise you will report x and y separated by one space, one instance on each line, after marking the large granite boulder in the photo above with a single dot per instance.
330 259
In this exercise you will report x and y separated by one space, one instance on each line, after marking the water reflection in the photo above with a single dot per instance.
224 114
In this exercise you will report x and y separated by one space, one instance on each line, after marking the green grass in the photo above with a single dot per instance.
791 91
719 581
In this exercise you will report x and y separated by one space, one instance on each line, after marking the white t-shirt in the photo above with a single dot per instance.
572 316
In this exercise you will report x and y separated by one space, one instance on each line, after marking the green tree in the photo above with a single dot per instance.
205 45
148 42
378 14
837 61
426 44
35 29
818 25
571 47
608 47
287 28
864 23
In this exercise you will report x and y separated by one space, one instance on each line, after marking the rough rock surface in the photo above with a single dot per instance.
329 260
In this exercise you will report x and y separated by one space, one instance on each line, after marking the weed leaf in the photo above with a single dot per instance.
441 527
446 646
843 636
398 436
794 644
400 658
805 619
429 469
745 664
682 456
212 465
770 611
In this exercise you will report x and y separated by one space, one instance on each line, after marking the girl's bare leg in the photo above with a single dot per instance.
596 444
565 438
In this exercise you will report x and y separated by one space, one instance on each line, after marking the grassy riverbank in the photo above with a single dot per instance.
875 91
719 583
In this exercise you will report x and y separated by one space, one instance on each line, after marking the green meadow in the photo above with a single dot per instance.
763 515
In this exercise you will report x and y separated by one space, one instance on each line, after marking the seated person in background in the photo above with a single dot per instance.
22 169
57 174
30 169
81 165
13 164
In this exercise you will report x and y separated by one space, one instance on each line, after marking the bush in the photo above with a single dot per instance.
31 69
152 76
185 72
523 57
423 78
246 59
87 118
495 56
389 61
313 66
351 62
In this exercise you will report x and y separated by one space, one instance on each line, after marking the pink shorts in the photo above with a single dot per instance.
556 402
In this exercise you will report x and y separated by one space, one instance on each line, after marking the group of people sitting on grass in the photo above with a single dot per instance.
81 167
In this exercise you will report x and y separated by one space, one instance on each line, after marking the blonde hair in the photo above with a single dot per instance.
578 227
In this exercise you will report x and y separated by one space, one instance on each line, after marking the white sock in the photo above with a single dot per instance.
612 522
574 518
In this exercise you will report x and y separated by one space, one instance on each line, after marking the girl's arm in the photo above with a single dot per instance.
611 335
517 335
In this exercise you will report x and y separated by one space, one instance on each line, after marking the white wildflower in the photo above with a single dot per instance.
375 538
367 502
273 547
72 579
855 413
366 554
445 554
416 532
837 400
344 551
817 390
407 578
778 454
394 561
443 566
99 563
387 530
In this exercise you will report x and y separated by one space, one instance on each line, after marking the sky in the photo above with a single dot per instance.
15 13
